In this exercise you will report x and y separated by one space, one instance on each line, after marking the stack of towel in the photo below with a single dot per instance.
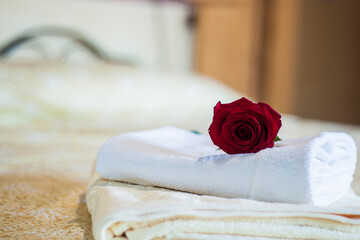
298 189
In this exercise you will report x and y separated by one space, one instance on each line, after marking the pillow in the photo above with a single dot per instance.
106 96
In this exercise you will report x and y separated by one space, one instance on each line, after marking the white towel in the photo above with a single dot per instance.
314 170
134 212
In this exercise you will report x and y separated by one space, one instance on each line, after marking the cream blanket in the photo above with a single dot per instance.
126 211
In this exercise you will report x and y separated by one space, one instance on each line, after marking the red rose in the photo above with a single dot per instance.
244 127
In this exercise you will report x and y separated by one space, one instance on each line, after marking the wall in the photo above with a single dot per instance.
151 33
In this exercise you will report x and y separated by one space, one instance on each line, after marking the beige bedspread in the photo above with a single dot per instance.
44 173
43 176
46 159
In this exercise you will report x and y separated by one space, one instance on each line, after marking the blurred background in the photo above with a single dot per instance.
300 56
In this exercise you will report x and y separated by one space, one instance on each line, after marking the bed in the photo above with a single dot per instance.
54 117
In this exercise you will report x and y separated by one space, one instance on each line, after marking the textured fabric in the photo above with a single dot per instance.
43 179
126 211
313 170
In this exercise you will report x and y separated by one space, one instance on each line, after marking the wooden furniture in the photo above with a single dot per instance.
302 57
228 42
312 58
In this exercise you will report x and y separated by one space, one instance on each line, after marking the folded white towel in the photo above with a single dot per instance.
134 212
314 170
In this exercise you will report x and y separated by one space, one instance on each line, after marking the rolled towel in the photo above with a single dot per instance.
314 170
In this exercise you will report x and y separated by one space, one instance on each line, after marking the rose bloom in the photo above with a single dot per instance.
244 127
